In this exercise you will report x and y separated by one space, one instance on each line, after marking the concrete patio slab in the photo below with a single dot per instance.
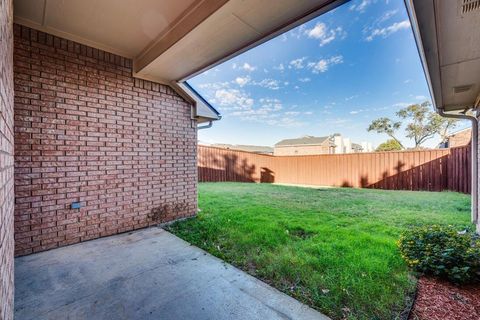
147 274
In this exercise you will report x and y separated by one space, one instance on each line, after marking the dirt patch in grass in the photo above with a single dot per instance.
301 233
441 300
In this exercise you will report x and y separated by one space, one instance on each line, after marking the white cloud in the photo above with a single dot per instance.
421 98
247 67
237 102
323 65
288 122
361 6
304 79
241 81
280 67
387 15
269 112
214 85
357 111
339 121
351 97
387 31
271 101
297 63
271 84
267 108
401 104
407 81
233 99
324 34
297 32
292 113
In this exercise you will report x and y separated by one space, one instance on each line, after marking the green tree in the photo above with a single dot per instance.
421 124
445 125
387 126
389 145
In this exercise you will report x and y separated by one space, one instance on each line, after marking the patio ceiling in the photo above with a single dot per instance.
447 33
169 40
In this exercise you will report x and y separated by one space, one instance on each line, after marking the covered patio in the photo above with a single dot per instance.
98 139
146 274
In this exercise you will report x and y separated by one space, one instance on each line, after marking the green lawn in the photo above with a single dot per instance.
334 249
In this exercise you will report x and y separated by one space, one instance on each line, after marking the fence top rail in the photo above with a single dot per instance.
445 150
460 147
234 150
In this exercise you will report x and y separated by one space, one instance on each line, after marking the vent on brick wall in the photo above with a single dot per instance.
470 6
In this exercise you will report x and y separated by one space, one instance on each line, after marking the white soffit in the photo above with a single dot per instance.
232 29
450 35
169 40
459 47
123 27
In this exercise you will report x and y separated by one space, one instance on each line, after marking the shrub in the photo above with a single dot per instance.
442 251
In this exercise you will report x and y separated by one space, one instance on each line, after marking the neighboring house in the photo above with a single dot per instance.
457 139
356 148
345 145
342 144
310 145
307 145
247 148
367 147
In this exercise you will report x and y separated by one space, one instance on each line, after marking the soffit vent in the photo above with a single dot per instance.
461 89
470 6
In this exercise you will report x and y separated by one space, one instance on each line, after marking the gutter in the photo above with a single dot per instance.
208 125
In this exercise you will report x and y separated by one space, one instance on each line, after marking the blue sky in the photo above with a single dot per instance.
334 74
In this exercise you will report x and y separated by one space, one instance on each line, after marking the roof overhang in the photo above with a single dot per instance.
447 33
170 41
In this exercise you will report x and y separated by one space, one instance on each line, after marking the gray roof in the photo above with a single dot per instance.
306 140
357 147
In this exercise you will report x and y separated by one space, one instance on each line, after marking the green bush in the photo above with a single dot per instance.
442 251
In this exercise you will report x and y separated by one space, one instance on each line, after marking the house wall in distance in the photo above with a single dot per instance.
460 138
86 131
301 150
6 160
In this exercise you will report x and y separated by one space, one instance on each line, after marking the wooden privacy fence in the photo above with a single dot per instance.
432 170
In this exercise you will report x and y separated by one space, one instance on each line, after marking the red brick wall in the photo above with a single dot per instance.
460 138
6 160
87 131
